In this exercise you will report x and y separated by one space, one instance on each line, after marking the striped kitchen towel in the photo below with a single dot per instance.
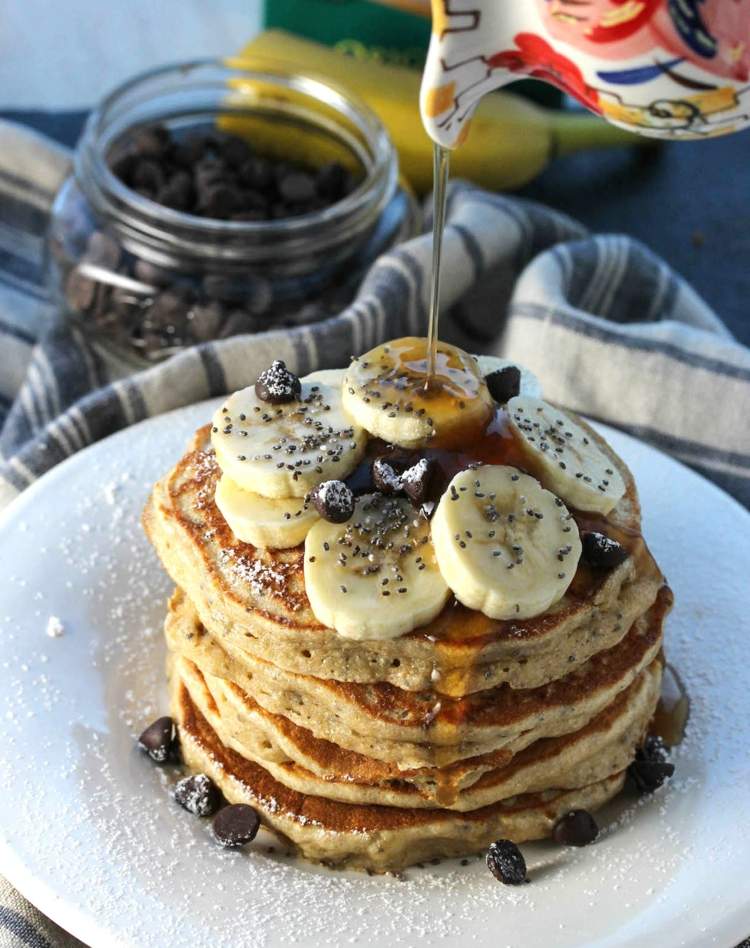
613 333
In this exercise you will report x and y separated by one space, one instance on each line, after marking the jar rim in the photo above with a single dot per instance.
138 215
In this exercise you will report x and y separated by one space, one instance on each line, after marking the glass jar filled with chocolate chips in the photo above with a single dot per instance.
214 198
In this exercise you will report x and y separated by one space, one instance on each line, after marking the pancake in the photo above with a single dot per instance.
255 600
422 729
301 762
377 838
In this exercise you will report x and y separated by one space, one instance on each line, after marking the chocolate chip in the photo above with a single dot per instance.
149 273
331 181
651 766
601 551
506 863
504 384
333 500
178 192
219 201
226 289
149 142
385 478
159 740
198 794
277 385
235 825
577 828
418 481
148 175
235 151
205 320
297 187
256 173
80 291
169 307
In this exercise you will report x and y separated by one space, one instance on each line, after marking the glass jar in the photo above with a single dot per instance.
145 280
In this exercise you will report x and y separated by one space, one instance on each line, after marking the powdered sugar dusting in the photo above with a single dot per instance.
92 819
55 628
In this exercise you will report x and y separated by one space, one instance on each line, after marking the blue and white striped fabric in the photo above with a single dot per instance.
609 328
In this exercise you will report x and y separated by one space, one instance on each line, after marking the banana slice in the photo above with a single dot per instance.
567 459
278 523
332 377
530 384
285 450
384 392
504 545
374 577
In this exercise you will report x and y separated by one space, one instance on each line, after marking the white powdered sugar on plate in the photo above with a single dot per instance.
88 828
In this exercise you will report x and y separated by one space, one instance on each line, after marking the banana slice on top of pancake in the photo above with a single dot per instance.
384 391
280 523
504 544
282 436
565 456
375 576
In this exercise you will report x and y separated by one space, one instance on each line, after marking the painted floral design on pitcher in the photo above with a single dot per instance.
664 68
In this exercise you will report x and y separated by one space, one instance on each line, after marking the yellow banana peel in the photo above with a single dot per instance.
511 138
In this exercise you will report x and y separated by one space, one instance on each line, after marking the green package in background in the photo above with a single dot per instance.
372 31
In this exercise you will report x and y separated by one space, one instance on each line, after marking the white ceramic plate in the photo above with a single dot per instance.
89 833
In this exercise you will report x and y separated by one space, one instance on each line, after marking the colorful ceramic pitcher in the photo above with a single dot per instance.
665 68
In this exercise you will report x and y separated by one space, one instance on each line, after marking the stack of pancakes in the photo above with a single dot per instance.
383 753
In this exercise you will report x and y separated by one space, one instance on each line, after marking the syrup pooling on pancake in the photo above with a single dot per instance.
385 392
374 577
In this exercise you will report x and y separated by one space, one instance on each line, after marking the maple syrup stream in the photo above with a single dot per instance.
440 166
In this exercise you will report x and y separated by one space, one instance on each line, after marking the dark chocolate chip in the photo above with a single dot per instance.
198 794
235 825
159 740
601 551
333 500
220 200
651 766
504 384
577 828
169 308
256 173
277 385
506 863
235 151
149 142
151 274
122 165
80 291
297 187
148 176
331 181
226 289
178 192
208 172
418 481
205 320
385 478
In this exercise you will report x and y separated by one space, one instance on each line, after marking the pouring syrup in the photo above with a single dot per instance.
441 166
